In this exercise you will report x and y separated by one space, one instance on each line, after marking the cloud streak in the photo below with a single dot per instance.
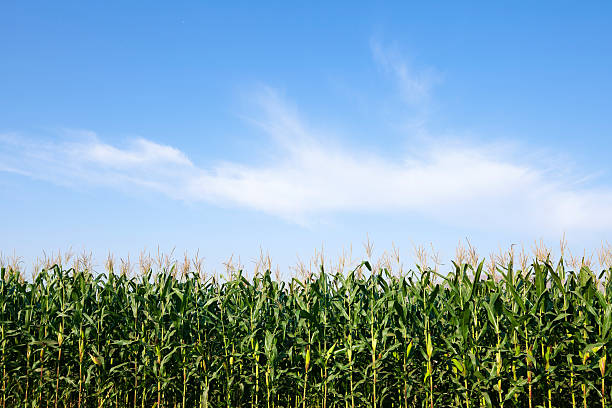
414 86
455 183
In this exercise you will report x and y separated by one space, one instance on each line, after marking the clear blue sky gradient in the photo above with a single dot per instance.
533 78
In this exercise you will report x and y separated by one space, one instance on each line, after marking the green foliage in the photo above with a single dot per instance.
532 338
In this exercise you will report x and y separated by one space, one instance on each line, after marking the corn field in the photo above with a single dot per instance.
535 336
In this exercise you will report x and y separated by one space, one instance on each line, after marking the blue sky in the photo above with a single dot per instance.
231 129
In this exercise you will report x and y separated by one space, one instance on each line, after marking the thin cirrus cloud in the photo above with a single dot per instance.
462 184
451 183
414 86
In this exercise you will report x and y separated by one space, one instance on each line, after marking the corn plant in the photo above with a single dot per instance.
538 336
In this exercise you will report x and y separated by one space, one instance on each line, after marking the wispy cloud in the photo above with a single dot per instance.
462 184
414 85
140 152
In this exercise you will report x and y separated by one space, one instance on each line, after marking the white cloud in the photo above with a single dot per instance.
465 185
141 152
414 86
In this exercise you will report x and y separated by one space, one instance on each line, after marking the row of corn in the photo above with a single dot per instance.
537 337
